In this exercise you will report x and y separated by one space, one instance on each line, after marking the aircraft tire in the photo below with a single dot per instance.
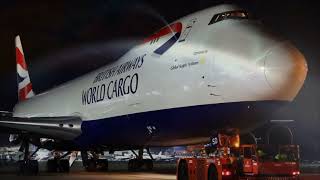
103 164
212 173
34 166
130 165
92 166
135 164
64 166
29 167
183 171
52 166
148 163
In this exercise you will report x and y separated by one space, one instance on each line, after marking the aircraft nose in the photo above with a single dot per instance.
285 70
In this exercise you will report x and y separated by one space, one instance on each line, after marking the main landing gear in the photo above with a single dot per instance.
27 166
93 163
58 163
139 163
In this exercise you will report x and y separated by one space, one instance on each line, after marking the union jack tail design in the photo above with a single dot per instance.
24 84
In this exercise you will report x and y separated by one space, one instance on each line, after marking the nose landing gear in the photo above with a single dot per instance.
139 163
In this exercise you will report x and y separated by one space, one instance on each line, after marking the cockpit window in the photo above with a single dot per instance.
229 15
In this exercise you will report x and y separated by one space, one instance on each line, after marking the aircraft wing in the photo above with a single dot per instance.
64 127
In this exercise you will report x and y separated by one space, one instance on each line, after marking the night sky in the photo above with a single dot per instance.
65 39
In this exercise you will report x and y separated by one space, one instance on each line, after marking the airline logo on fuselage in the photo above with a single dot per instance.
116 87
174 29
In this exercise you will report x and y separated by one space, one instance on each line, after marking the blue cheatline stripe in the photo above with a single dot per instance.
177 123
162 49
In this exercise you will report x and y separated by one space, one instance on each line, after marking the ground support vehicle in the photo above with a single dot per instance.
226 159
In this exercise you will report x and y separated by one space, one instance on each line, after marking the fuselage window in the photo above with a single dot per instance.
229 15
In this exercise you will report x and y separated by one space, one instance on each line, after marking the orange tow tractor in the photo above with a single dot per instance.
224 158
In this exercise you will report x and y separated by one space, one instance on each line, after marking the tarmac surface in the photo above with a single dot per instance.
92 176
112 176
118 171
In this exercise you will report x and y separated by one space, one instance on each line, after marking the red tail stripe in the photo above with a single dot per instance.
24 92
176 27
20 59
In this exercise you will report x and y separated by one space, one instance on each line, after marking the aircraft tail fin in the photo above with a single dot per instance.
24 84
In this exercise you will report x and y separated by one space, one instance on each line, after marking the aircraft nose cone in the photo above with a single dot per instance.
285 71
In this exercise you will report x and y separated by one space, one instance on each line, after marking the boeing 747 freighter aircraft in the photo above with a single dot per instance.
208 70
